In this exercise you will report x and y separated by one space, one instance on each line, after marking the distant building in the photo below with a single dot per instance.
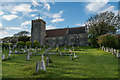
76 36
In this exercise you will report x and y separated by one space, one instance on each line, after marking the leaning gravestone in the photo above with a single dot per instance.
47 62
3 57
42 64
37 66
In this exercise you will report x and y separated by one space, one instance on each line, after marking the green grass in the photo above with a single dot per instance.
92 63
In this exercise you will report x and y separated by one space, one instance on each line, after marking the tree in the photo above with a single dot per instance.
101 24
36 43
24 38
118 40
28 43
107 40
22 33
20 44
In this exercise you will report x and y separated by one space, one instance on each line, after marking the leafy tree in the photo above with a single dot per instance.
36 43
22 33
24 38
107 40
118 40
20 44
28 43
101 24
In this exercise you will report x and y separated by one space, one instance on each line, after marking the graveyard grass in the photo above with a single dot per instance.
92 63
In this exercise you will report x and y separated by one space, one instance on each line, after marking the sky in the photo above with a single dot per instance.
17 16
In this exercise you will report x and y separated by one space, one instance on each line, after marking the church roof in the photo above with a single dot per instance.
64 31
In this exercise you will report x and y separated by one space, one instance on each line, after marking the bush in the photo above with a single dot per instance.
20 44
107 40
28 43
24 38
35 43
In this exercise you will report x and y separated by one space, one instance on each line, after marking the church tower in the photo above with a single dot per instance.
38 31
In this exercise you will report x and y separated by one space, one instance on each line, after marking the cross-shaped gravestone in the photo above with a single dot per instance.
42 63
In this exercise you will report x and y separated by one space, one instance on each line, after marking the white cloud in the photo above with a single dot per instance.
0 24
57 20
26 23
80 24
57 15
35 3
1 13
47 6
13 28
50 27
9 17
33 15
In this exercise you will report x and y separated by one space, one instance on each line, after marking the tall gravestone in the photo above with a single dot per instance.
42 64
37 66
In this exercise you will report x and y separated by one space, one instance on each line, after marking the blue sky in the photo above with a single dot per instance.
17 16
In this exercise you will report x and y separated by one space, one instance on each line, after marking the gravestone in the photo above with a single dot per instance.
70 57
61 54
3 56
118 54
102 47
115 51
107 49
47 62
111 50
27 57
37 66
10 52
42 63
9 55
75 56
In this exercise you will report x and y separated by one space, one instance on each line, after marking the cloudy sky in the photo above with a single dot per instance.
17 16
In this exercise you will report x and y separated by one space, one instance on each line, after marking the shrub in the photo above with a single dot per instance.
20 44
28 43
107 40
36 43
24 38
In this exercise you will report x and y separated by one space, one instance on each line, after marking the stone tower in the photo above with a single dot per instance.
38 31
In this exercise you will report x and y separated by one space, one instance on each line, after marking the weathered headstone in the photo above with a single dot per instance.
10 52
42 64
107 49
3 56
75 56
102 47
9 55
47 62
118 54
16 51
37 66
70 57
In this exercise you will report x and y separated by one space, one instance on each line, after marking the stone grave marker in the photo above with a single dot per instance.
3 56
107 49
102 47
27 57
75 56
42 63
47 62
118 54
37 66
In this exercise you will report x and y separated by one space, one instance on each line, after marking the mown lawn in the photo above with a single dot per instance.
92 63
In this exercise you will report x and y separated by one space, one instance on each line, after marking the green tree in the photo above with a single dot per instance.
28 43
101 24
24 38
107 40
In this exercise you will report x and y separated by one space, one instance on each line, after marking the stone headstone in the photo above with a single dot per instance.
75 56
102 47
61 54
70 57
107 49
16 51
9 55
115 51
3 56
27 57
42 63
111 50
47 62
118 54
37 66
10 52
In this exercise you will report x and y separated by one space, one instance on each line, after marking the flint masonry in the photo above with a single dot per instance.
76 36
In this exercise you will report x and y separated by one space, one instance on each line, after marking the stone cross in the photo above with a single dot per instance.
42 63
37 66
3 57
16 51
47 62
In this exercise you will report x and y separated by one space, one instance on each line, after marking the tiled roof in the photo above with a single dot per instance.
64 31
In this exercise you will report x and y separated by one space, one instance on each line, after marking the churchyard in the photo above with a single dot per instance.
60 62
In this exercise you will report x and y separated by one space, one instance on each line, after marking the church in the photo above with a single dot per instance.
76 36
